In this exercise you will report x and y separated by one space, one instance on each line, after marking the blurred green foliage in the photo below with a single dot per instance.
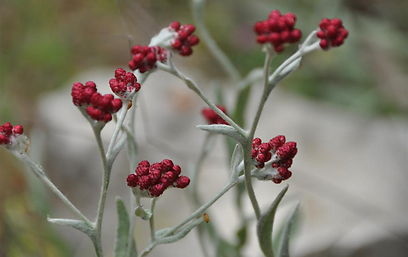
44 42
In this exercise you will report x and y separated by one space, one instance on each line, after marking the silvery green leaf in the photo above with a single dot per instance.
284 242
179 234
235 161
265 225
77 224
131 150
142 213
161 232
223 130
122 231
286 71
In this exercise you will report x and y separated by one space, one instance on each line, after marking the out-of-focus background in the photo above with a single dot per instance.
346 108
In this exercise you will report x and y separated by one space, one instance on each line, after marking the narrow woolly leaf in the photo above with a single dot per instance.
235 161
179 234
77 224
242 235
131 151
142 213
284 242
265 225
223 130
122 231
290 68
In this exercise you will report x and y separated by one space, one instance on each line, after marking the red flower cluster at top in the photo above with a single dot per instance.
156 178
7 131
212 117
145 57
124 83
278 29
98 107
277 149
332 33
185 40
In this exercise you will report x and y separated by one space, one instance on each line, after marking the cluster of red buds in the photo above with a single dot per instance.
279 151
156 178
124 83
98 107
332 33
7 132
145 57
278 29
185 39
212 117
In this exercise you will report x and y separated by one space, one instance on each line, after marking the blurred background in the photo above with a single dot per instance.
347 109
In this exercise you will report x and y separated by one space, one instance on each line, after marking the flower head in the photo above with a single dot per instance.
212 117
12 137
332 33
278 30
280 152
124 83
177 37
145 57
98 107
154 179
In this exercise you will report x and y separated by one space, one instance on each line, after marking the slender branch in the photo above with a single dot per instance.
151 220
193 86
39 172
248 146
205 206
121 118
215 50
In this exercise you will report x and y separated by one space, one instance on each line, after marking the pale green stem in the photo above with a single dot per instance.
218 54
203 154
104 188
151 220
38 171
132 131
205 206
248 145
121 118
193 86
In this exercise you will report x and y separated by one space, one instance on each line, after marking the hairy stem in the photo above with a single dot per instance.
215 50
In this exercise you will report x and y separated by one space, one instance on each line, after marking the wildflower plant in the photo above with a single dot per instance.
251 157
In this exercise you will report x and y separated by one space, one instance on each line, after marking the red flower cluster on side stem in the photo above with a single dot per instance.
98 107
185 39
278 150
212 117
7 131
332 33
156 178
124 83
278 29
145 57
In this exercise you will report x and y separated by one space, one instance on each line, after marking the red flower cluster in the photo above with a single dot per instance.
157 177
185 39
98 107
277 149
278 29
145 57
7 131
332 33
212 117
124 83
